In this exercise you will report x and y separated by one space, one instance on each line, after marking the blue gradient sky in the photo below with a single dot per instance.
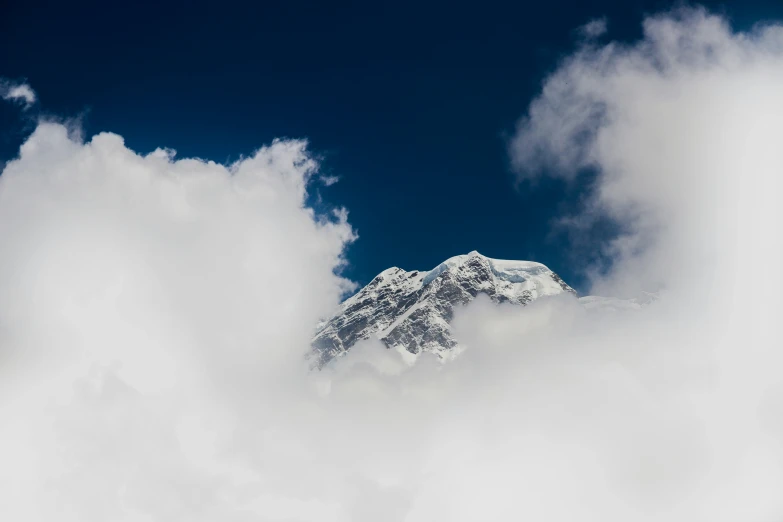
410 105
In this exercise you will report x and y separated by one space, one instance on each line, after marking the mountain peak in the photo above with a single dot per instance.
412 311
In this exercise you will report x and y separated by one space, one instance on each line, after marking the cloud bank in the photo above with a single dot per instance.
154 313
148 305
680 131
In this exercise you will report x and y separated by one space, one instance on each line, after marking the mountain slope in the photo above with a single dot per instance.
413 310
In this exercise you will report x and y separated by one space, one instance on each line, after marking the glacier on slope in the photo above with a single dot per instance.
412 311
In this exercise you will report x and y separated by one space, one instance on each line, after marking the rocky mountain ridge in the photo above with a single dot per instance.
413 310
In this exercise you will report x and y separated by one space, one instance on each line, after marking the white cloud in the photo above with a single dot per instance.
17 92
681 129
329 180
153 315
151 311
594 28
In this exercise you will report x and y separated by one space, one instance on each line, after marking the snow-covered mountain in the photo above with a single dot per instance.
413 310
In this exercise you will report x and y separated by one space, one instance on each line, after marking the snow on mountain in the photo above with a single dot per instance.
412 311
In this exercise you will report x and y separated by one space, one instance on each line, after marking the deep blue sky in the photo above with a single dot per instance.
408 103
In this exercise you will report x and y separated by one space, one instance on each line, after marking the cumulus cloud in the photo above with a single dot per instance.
679 131
679 127
151 309
154 314
17 92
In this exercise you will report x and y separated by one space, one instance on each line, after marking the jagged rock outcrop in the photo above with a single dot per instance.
413 310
